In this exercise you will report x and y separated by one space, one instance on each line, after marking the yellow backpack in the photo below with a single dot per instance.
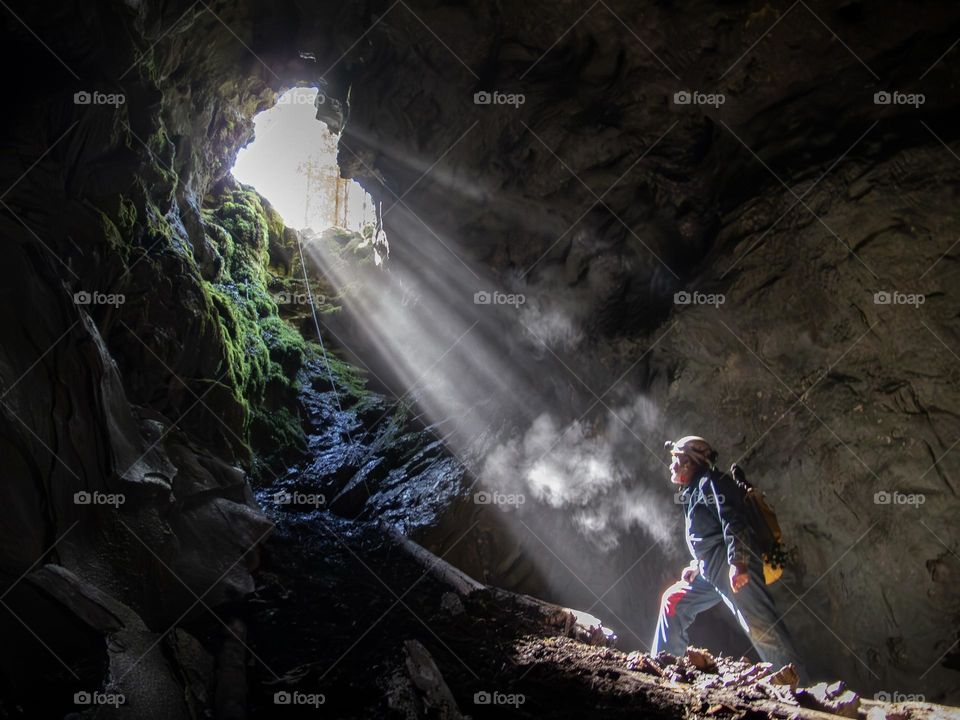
766 529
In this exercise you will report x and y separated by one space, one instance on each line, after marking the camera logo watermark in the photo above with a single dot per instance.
498 98
898 697
483 297
85 297
504 501
498 698
84 697
883 97
695 97
290 298
296 697
698 298
96 97
98 498
885 497
898 298
284 497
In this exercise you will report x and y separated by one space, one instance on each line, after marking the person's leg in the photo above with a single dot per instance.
680 604
757 614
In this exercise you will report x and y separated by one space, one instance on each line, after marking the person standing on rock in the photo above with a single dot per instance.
725 568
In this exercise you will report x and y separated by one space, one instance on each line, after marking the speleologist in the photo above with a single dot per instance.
726 564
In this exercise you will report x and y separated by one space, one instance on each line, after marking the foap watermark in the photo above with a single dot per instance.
698 298
502 500
285 497
284 697
898 697
484 297
85 697
85 297
292 298
83 497
483 697
298 98
496 97
886 497
695 97
898 298
885 97
84 97
680 498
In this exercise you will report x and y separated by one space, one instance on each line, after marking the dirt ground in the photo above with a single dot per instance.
346 623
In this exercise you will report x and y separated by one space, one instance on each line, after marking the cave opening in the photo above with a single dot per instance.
292 161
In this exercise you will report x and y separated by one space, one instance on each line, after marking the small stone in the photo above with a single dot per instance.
450 603
720 708
787 675
665 658
641 662
833 698
701 659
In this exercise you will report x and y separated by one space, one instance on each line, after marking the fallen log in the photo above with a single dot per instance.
557 619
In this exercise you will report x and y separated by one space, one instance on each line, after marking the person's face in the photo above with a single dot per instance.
681 469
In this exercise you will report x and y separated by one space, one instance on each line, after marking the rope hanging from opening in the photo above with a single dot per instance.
316 325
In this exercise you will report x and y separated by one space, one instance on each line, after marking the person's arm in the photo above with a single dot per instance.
732 520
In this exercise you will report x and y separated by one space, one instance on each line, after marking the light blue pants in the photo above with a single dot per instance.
753 608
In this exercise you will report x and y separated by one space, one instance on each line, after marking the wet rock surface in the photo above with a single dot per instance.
412 652
368 458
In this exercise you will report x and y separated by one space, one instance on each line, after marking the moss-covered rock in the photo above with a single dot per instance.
263 352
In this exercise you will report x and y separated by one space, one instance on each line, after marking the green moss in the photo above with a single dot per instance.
346 376
277 428
158 229
126 215
263 353
147 67
275 224
117 225
113 237
236 317
158 178
285 345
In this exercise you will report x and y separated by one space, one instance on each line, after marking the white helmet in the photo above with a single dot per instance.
694 447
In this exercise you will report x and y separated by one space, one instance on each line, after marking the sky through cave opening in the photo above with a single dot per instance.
292 161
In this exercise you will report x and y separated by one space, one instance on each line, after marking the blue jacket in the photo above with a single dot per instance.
716 523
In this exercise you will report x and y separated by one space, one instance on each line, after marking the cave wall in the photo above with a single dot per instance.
146 369
130 200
